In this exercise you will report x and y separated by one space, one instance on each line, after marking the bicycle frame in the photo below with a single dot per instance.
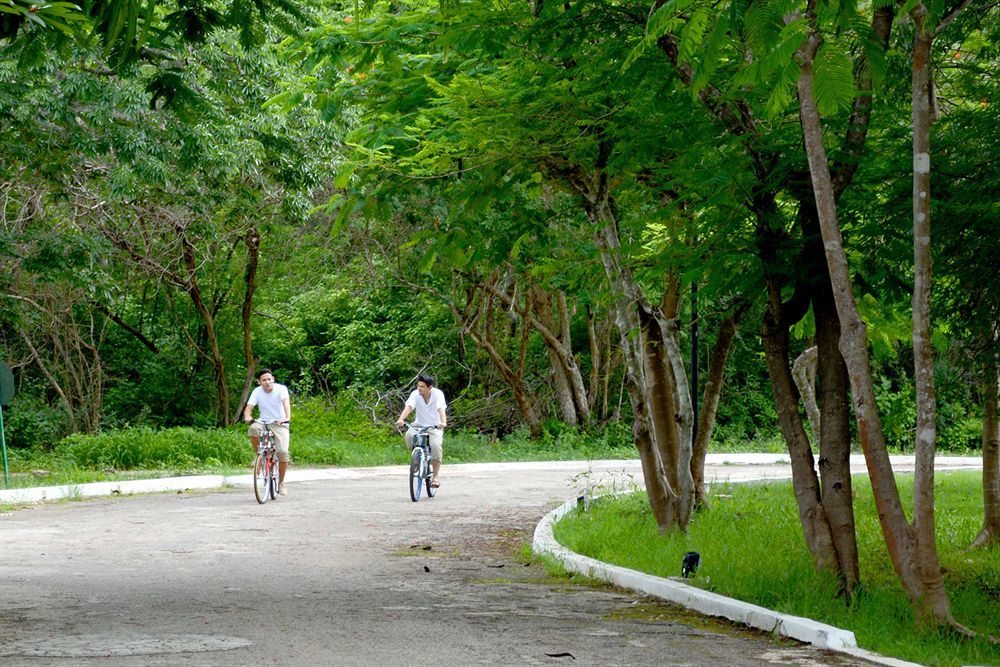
266 466
421 471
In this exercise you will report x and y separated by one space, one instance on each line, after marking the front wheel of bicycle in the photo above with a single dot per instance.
417 465
275 484
261 478
431 490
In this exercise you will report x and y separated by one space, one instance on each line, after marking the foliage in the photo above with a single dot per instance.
141 446
30 421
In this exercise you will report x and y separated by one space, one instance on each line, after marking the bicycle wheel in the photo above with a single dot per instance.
273 465
429 475
261 479
416 473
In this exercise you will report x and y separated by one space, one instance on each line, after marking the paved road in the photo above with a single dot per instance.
342 571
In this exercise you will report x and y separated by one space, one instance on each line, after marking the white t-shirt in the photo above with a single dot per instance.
269 403
426 413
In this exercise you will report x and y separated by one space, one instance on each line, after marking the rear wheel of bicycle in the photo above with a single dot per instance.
416 473
275 484
261 479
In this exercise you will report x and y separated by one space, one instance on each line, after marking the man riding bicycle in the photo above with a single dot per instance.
428 405
272 402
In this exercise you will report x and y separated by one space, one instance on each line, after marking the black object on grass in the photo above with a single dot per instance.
689 565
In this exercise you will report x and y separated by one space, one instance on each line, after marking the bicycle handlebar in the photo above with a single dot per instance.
283 422
440 427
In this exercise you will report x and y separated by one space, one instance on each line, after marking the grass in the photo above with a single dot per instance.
320 437
752 549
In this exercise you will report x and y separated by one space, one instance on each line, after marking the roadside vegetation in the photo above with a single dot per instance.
322 436
752 549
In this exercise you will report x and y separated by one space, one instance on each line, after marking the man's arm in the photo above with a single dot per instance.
402 416
442 418
248 413
287 405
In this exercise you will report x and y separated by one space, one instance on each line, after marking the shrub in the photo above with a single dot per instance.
30 422
143 447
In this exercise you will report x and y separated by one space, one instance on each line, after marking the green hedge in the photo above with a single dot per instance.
144 447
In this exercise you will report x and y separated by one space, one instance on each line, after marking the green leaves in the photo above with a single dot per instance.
833 80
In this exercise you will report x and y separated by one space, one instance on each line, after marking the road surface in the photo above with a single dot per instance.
344 571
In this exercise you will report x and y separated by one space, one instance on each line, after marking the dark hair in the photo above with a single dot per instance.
426 379
264 371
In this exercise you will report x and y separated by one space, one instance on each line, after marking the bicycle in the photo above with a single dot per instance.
265 466
421 472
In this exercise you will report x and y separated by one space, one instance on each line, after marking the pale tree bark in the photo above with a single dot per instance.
913 558
804 372
990 534
649 385
563 392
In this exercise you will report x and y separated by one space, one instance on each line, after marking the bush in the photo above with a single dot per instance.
30 422
143 447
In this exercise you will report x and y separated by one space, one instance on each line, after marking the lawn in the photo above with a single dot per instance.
752 549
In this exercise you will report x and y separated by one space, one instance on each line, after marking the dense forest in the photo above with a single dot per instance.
704 221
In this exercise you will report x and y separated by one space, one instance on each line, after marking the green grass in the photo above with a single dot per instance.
752 549
322 435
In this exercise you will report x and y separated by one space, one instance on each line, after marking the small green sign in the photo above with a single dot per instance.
6 384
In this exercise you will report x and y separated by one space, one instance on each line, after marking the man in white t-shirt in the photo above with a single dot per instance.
428 405
274 407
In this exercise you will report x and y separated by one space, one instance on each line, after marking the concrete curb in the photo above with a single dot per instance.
35 494
704 602
45 493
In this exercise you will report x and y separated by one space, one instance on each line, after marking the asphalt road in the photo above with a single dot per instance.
342 571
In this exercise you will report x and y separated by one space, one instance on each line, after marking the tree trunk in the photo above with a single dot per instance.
990 534
710 398
834 435
683 425
571 394
594 341
252 242
923 594
476 322
935 603
218 361
560 385
648 372
812 516
573 373
537 312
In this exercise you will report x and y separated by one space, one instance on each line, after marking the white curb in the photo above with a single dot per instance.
42 493
705 602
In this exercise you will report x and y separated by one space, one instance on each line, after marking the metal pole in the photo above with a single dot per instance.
694 360
3 445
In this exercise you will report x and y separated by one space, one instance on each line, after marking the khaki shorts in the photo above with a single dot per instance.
280 439
436 438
